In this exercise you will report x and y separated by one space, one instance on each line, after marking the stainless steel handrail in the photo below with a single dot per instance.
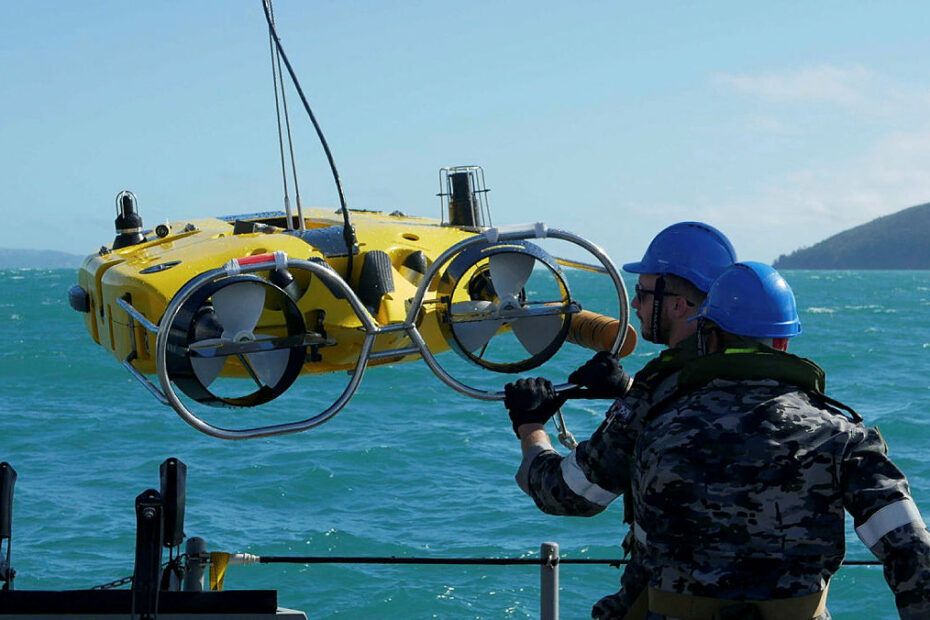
493 235
369 325
325 273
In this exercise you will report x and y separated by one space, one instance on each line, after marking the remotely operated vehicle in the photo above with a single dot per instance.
269 296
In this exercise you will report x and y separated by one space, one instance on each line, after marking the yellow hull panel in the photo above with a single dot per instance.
201 245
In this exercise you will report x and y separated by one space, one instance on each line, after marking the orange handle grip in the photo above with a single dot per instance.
597 332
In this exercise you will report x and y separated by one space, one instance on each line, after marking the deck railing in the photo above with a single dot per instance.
548 562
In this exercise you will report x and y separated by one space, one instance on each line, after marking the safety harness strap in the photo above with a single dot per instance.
688 607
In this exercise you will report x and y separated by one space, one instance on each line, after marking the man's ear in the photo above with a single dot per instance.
679 306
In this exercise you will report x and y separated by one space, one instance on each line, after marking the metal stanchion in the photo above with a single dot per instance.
549 581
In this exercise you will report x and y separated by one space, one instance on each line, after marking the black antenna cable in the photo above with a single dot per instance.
348 232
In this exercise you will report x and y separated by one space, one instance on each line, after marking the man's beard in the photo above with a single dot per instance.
650 334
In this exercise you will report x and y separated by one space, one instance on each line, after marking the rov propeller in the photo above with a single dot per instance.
219 330
494 288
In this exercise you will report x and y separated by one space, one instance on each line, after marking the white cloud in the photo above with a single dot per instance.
820 84
781 213
825 177
844 187
806 206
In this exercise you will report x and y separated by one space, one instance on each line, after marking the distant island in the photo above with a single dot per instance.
897 241
38 259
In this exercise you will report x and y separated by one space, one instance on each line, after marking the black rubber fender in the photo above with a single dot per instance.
376 279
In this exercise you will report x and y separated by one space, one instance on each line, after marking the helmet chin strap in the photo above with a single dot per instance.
656 334
701 337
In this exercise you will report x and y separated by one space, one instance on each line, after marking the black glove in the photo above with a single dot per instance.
603 376
531 401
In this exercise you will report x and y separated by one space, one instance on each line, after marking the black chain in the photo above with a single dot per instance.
116 583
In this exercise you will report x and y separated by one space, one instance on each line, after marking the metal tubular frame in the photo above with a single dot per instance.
169 396
493 235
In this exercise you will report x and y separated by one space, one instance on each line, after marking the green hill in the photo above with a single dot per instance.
38 259
897 241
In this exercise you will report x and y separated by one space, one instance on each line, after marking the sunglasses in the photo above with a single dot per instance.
642 293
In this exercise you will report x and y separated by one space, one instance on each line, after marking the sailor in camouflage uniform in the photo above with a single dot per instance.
675 273
741 475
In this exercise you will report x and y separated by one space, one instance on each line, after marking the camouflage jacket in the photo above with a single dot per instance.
734 478
598 470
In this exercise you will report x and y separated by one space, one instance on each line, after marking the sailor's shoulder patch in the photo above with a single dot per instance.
619 411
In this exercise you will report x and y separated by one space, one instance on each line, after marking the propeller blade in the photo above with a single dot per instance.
207 369
238 307
269 366
510 271
473 335
536 333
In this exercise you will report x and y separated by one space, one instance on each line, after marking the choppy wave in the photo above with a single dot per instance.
409 468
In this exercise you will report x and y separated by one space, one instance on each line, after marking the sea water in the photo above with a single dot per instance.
409 468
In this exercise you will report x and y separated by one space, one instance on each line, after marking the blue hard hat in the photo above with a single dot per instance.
697 252
752 299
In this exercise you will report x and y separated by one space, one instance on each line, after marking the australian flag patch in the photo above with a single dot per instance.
618 411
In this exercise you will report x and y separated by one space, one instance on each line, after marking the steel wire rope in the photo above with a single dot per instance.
277 108
312 559
336 559
278 559
348 232
290 141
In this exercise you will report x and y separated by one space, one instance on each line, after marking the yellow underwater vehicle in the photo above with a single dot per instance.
267 297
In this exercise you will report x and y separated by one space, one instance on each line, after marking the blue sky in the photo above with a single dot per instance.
779 123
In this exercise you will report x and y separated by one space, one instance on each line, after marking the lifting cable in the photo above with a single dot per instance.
275 72
348 232
278 78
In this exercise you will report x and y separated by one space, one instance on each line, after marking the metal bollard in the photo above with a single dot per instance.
549 581
197 558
